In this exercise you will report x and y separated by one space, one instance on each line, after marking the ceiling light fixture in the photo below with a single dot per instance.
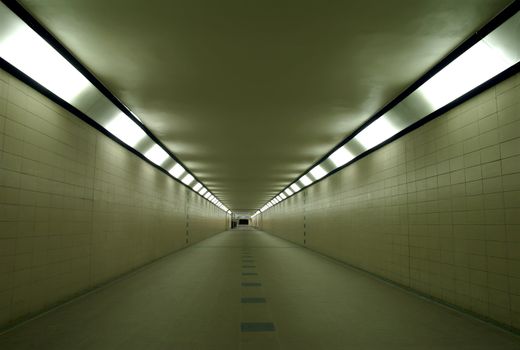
295 188
341 156
156 154
475 66
378 131
125 129
305 180
27 51
177 171
317 172
187 179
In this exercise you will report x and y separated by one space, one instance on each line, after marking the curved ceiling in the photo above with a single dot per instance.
248 94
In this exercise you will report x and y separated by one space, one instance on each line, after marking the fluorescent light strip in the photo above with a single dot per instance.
125 129
492 55
475 66
187 179
177 171
377 132
317 172
341 156
305 180
295 188
28 52
157 155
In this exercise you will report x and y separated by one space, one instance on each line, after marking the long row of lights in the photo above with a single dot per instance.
28 52
493 54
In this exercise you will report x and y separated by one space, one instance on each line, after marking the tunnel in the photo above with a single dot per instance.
260 174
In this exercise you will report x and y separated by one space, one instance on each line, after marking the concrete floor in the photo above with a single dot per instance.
246 289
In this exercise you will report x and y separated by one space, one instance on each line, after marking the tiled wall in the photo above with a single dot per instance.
203 217
291 224
437 210
76 208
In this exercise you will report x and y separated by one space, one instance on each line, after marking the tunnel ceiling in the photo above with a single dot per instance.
248 94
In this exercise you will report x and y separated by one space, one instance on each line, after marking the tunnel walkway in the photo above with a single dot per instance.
246 289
